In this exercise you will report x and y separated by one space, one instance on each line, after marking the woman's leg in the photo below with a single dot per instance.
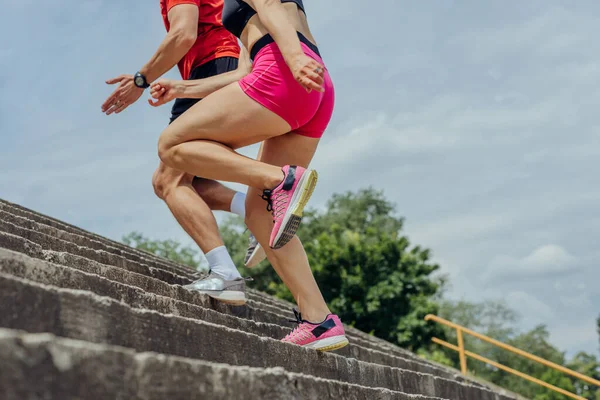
201 141
290 262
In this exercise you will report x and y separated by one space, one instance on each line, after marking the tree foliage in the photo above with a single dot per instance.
169 249
377 281
496 320
369 273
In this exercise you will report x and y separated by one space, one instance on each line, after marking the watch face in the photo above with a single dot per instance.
139 81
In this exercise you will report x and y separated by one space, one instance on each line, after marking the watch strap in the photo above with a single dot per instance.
140 80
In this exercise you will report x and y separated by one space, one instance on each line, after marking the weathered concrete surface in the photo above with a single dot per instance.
22 266
83 260
48 242
132 273
46 367
21 211
85 316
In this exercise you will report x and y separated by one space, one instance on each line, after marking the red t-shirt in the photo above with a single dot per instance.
213 40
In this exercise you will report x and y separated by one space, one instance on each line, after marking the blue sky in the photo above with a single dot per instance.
478 119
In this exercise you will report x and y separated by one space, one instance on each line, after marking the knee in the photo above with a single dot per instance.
164 149
168 149
159 183
164 181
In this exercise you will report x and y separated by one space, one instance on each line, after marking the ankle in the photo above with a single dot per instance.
314 315
220 263
274 178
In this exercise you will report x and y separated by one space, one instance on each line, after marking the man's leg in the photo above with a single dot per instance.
219 197
176 189
191 199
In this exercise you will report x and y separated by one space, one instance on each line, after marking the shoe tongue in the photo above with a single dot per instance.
290 178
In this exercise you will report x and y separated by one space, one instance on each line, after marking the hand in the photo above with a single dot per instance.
125 94
308 73
164 91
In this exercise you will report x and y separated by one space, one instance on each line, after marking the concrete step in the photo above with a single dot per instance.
70 247
45 230
184 302
21 211
43 366
22 266
82 315
7 219
52 243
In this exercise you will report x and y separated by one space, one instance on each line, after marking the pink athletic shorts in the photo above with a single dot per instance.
272 85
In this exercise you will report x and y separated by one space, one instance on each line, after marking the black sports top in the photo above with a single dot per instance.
237 13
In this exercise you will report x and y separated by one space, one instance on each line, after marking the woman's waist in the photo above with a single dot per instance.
267 44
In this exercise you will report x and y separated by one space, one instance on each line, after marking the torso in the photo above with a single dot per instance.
241 20
213 41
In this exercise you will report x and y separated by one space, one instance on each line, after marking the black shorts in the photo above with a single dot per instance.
206 70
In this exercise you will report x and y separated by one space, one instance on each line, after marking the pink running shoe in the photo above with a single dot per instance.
328 335
287 201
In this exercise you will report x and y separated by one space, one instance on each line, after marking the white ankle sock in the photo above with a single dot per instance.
220 262
238 204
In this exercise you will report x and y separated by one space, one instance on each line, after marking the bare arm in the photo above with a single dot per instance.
274 17
200 88
166 90
182 34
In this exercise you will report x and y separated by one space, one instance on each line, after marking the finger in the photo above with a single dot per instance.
300 80
315 77
114 106
311 85
116 80
111 109
121 108
157 93
156 103
110 101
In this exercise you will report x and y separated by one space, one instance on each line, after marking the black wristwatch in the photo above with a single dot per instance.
140 80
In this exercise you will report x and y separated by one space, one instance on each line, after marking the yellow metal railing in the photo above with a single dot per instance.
463 354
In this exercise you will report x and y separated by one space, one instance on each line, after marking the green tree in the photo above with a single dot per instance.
588 365
496 320
536 341
169 249
369 273
557 379
491 318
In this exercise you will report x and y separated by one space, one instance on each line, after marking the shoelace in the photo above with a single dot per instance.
276 206
267 197
298 321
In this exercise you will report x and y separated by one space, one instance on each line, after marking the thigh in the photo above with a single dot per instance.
227 116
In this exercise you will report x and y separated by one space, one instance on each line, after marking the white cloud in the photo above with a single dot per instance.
545 260
527 304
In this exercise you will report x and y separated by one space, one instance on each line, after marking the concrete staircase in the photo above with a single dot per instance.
84 317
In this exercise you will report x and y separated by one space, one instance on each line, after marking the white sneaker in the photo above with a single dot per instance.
255 253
